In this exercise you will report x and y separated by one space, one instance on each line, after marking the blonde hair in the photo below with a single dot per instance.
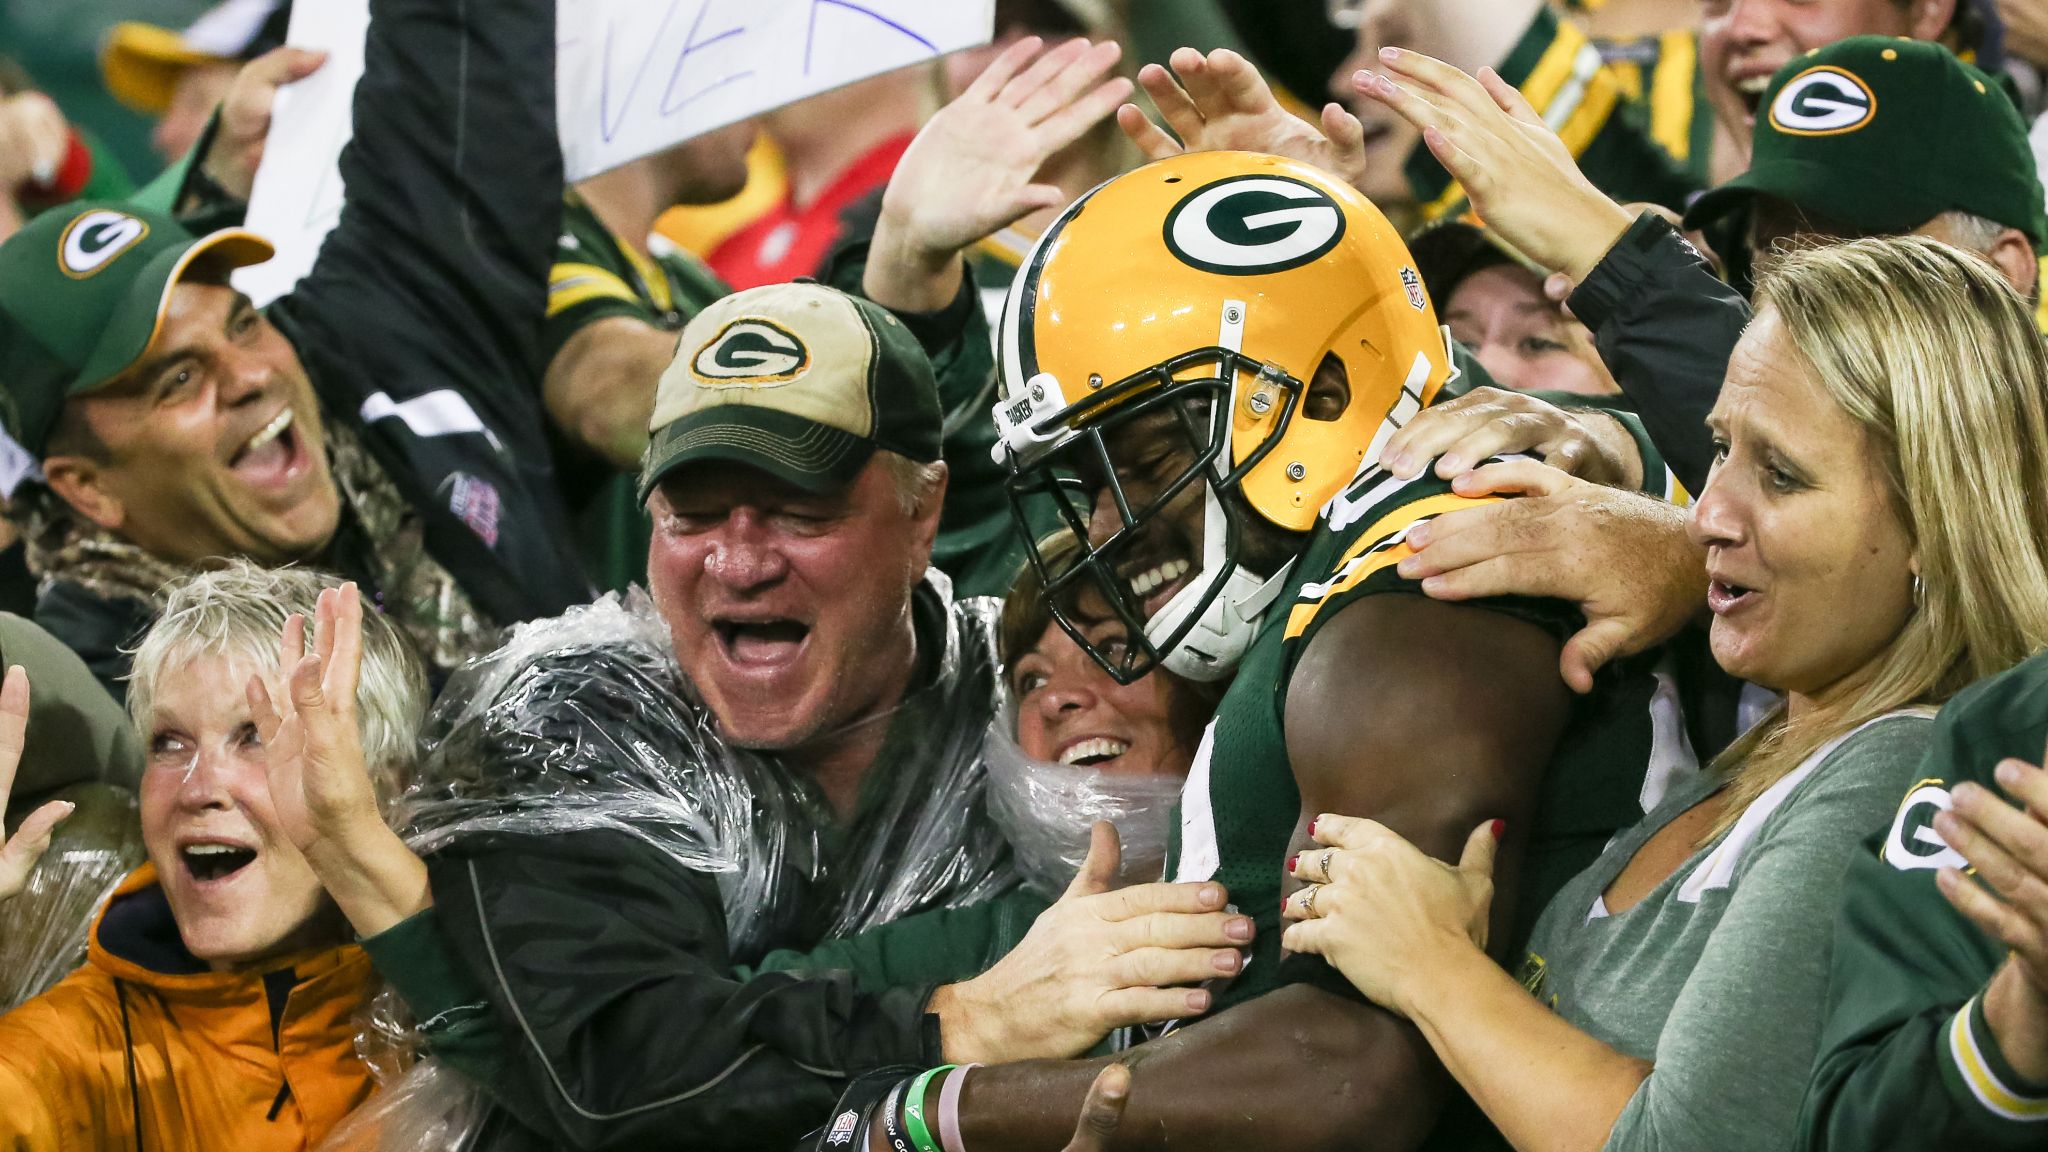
237 613
1937 359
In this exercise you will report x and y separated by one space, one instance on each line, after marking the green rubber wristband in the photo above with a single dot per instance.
913 1110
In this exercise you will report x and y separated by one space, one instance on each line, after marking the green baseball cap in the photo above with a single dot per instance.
83 291
1885 134
798 380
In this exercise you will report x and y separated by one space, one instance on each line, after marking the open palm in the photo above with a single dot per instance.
319 785
19 854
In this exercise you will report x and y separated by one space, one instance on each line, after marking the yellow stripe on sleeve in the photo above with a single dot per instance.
1376 548
1671 92
1982 1082
570 284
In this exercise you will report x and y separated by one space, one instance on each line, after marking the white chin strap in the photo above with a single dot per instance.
1219 638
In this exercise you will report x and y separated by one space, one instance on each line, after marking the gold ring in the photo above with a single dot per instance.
1308 902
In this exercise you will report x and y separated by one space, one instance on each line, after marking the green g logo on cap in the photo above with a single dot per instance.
1823 101
95 238
751 351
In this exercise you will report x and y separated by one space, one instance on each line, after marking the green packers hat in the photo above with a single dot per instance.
83 290
1885 134
798 380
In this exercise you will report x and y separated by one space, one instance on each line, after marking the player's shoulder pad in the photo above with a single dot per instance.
1363 531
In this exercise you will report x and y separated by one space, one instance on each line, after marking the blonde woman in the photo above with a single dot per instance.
1874 542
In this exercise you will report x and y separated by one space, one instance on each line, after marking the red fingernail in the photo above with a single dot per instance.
1500 829
1290 864
1312 829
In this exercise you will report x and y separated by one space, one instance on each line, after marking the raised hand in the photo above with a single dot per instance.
1519 175
1219 102
1094 962
319 785
971 170
34 137
237 149
2006 844
320 788
19 854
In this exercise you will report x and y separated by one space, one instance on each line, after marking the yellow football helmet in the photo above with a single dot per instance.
1221 283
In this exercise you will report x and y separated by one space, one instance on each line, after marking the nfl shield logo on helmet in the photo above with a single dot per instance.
1416 297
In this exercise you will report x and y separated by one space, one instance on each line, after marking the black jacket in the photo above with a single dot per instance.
420 321
1665 327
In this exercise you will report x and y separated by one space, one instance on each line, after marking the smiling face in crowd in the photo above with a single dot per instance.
1799 521
239 890
1743 42
1069 711
789 610
211 446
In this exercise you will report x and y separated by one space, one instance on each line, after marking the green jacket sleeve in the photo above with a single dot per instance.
1906 1060
453 1015
938 947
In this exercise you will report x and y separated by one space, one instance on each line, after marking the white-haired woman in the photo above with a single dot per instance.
1875 542
218 1005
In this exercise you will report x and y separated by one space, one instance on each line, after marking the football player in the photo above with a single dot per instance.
1201 362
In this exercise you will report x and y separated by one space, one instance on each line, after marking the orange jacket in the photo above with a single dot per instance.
208 1072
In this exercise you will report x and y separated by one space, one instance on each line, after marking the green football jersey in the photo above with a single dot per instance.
1638 135
1241 804
1906 1059
597 275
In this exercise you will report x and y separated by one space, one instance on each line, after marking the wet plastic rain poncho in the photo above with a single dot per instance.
601 862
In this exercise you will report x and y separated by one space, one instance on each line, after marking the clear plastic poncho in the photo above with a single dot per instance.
1046 811
585 722
44 929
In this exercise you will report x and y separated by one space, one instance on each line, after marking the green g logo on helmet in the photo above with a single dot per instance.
1823 101
1253 225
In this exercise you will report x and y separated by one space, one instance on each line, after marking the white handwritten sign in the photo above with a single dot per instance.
632 77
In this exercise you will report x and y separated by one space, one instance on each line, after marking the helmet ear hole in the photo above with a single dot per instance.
1329 393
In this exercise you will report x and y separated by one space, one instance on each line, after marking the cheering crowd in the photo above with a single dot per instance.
1058 598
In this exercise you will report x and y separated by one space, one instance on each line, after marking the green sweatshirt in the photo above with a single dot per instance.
1906 1059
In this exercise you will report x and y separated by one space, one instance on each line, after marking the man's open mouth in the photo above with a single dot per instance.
760 642
1093 751
272 455
1751 91
208 862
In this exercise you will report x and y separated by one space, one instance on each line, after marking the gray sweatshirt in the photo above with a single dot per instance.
1718 976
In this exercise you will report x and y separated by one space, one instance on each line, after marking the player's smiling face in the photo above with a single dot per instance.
211 446
789 610
1069 711
238 889
1744 42
1151 452
1799 520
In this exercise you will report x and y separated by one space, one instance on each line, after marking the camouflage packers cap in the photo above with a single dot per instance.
1885 134
798 380
83 290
